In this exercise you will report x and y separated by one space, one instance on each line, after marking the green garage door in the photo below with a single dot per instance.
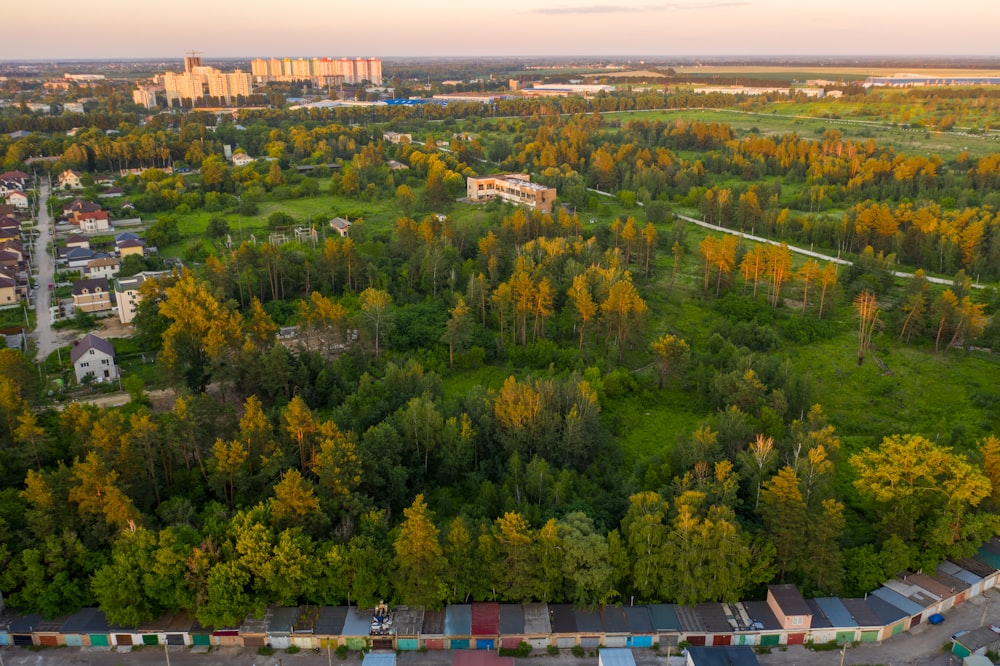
150 639
869 636
201 639
845 637
99 640
770 640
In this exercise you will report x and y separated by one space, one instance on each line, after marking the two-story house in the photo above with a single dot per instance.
94 357
92 295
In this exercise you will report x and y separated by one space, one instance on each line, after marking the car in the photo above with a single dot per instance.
51 286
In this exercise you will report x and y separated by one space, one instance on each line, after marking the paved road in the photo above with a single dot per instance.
46 339
792 248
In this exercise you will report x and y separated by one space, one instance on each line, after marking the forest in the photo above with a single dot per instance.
458 415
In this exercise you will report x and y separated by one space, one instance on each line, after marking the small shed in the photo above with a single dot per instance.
357 627
615 626
458 625
730 655
253 631
537 625
665 624
615 657
432 631
789 607
21 628
977 660
891 618
279 630
764 626
200 636
379 659
303 631
408 621
908 606
868 621
980 568
512 626
590 628
329 626
978 641
87 627
840 619
485 625
563 621
640 627
178 631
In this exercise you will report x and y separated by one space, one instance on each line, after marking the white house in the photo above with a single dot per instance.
242 159
94 357
18 199
69 180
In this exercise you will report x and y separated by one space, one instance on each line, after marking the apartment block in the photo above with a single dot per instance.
514 187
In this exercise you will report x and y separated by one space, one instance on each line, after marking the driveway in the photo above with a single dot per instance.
46 338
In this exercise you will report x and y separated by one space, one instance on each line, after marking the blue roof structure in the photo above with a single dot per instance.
330 621
613 618
639 621
728 655
819 619
511 619
616 657
908 606
458 620
379 659
588 622
958 572
835 611
884 611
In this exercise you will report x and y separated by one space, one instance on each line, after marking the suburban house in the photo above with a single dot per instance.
242 159
18 177
94 357
132 246
76 240
78 257
111 192
77 206
69 180
93 222
514 187
18 200
8 291
127 294
92 295
789 607
105 267
340 225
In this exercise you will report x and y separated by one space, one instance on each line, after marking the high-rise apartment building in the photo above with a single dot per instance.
191 61
227 86
144 97
323 70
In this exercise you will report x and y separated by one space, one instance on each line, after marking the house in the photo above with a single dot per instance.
128 296
340 225
105 267
722 655
94 357
78 257
69 180
77 206
242 159
111 192
94 222
18 200
789 607
76 240
514 187
128 247
18 177
8 291
92 295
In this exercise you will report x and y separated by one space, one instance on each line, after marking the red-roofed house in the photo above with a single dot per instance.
69 179
96 221
18 200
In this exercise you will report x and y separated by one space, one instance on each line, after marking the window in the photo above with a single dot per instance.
797 620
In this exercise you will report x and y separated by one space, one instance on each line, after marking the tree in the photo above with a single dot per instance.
927 495
622 310
756 461
827 279
300 424
420 563
785 517
867 308
375 306
294 499
586 565
809 272
458 329
645 531
671 353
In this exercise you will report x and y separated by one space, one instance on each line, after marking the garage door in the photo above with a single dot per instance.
796 639
48 641
123 639
175 639
22 640
770 640
99 640
253 641
154 639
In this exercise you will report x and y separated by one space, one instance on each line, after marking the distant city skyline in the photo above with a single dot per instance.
111 29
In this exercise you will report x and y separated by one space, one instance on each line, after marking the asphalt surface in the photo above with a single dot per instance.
46 340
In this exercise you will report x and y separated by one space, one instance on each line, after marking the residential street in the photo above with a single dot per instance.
45 337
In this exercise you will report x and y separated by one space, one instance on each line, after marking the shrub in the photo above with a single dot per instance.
292 649
522 650
578 651
265 650
553 650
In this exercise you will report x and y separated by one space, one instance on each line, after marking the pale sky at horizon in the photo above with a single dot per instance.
386 28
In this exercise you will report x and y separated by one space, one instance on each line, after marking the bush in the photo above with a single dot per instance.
292 649
522 650
341 652
265 650
578 651
552 650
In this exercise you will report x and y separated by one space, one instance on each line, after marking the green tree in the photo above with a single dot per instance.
420 562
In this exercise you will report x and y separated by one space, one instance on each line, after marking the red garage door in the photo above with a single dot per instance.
796 639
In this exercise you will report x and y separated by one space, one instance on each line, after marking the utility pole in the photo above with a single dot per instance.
166 653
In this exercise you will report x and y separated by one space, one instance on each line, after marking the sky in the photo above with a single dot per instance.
388 28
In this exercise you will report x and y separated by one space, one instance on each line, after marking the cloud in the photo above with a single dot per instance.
641 9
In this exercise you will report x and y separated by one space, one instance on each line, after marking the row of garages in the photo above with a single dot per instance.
892 609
